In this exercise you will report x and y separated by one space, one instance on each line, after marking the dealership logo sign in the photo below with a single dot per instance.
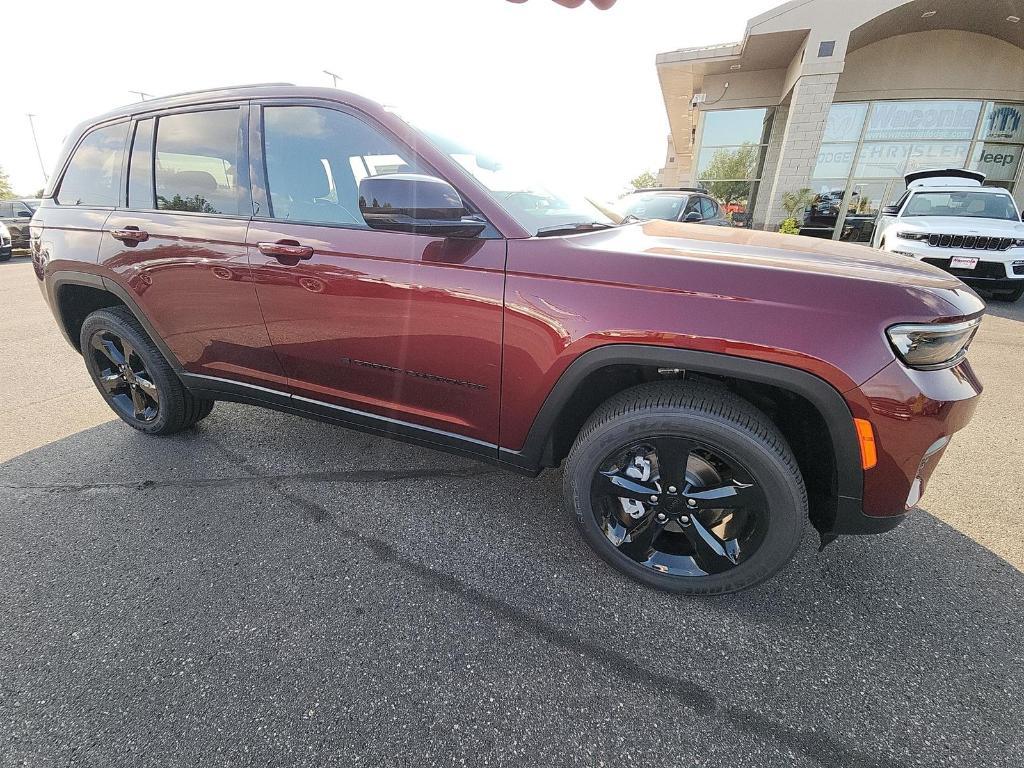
1003 122
923 119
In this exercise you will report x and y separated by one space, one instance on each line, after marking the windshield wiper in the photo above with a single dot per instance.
569 229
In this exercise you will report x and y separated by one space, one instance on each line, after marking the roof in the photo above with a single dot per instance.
233 93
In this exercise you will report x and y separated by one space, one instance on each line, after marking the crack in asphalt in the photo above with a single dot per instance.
821 747
352 476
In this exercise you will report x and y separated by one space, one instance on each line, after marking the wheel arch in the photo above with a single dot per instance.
809 411
73 296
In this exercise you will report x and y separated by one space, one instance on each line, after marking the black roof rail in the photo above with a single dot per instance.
214 90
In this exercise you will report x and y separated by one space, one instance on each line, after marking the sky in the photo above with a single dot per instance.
572 92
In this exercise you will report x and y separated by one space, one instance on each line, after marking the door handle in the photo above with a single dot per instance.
130 235
285 250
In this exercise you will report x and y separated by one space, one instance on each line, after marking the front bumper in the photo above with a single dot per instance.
996 270
914 414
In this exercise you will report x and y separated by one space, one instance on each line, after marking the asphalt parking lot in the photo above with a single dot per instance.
272 591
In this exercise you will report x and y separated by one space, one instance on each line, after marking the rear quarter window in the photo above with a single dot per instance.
93 175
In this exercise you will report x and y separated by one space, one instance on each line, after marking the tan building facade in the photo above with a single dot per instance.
843 99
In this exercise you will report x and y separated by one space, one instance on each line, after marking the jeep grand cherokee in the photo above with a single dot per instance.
706 390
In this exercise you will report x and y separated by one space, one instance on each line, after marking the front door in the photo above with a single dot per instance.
178 246
394 325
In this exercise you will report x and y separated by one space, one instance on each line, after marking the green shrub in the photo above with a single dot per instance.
789 227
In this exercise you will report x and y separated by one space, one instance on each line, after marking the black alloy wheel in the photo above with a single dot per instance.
133 376
679 507
686 487
123 376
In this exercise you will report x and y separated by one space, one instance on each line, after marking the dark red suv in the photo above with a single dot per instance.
708 390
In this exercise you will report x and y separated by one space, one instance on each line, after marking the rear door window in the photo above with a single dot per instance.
94 173
6 210
197 162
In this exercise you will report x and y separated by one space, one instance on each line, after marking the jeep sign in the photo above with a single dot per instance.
997 161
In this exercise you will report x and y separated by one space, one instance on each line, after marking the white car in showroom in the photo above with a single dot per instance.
947 218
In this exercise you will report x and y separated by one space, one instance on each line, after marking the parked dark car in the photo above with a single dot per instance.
691 205
706 390
16 215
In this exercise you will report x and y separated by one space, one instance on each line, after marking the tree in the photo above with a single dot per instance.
645 180
727 177
796 201
6 193
793 202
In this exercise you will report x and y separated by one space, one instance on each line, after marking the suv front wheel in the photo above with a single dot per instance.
134 378
686 488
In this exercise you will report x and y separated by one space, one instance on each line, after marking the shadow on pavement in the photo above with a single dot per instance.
265 589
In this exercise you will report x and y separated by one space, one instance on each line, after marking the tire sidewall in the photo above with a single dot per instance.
787 511
103 321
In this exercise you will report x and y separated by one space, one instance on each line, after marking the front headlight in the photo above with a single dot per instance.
912 235
931 346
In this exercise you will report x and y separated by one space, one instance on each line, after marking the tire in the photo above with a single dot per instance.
5 257
169 406
1010 296
716 424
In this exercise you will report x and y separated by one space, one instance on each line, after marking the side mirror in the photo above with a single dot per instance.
24 214
890 210
412 202
692 217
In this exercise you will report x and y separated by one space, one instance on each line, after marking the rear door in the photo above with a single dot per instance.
177 242
391 324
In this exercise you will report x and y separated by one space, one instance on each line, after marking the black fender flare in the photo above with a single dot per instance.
823 396
56 280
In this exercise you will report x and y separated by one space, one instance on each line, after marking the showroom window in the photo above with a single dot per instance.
733 144
868 147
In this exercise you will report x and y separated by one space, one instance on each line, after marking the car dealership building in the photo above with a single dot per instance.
844 98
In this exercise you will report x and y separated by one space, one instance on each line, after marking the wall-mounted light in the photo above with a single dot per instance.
1013 19
928 14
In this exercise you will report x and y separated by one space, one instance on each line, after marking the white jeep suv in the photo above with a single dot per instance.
947 218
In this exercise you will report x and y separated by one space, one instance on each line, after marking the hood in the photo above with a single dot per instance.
961 225
805 274
754 248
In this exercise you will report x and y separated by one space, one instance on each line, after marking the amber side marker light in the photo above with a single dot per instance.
866 436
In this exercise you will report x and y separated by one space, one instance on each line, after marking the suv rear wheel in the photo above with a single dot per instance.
686 488
134 378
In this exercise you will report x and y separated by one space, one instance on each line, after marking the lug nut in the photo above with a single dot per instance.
671 489
654 498
691 503
684 520
662 517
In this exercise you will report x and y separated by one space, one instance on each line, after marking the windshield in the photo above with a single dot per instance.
980 205
653 206
532 203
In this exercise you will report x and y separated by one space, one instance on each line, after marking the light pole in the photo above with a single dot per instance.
42 166
334 76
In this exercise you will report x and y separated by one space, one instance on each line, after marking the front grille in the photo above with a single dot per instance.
975 242
991 270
